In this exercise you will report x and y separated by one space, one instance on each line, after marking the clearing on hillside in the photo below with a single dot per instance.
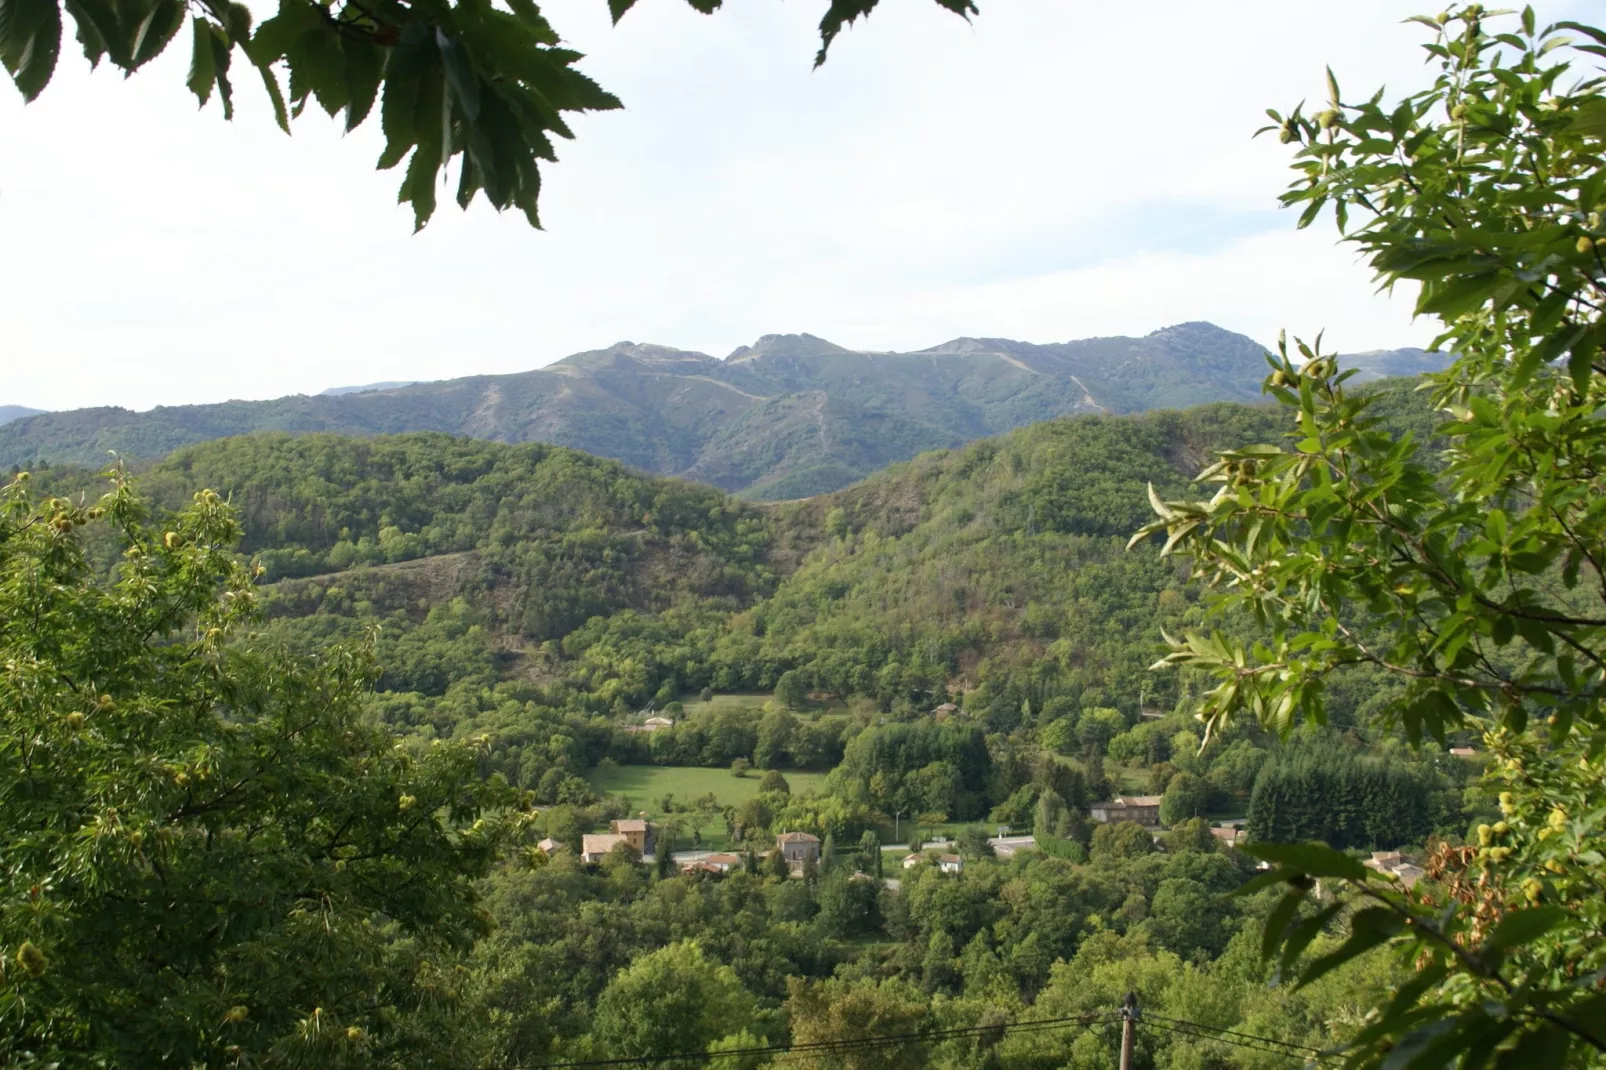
646 786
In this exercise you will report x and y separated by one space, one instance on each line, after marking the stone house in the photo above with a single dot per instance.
798 847
1143 809
594 847
636 831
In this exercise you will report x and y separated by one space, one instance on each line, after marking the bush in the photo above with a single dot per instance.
740 766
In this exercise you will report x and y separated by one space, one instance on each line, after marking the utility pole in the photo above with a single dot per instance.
1129 1028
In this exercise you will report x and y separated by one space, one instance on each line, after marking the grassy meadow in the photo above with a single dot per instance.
646 786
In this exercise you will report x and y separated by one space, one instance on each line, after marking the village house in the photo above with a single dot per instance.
1228 834
1464 752
704 866
636 831
548 846
1144 809
798 847
594 847
651 724
946 863
1402 866
725 862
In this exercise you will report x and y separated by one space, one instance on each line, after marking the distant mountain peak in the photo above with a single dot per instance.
972 345
1192 330
628 352
17 412
786 345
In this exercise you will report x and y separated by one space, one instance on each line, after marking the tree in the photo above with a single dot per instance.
740 766
833 1011
470 80
1186 796
204 838
773 781
671 1000
1474 576
1123 839
664 853
1097 726
850 905
790 690
1049 813
828 853
1191 835
1190 918
1060 736
775 734
870 853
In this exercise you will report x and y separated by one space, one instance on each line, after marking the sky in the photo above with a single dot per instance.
1053 170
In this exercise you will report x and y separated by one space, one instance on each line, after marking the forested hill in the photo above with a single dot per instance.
791 416
995 570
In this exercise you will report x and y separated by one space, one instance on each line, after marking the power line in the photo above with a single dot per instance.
826 1047
1249 1042
1232 1032
816 1049
871 1044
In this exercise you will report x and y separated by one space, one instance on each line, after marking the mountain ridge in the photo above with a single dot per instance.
789 416
17 412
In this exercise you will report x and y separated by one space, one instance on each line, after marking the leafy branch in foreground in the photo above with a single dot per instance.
490 84
1477 576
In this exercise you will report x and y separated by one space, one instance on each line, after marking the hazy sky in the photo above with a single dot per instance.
1058 169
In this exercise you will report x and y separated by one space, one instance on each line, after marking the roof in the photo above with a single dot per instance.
912 861
724 859
1139 800
1227 833
658 722
548 845
600 843
1463 752
700 867
946 707
630 824
796 837
950 860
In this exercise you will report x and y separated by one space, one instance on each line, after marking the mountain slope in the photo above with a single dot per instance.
789 416
16 412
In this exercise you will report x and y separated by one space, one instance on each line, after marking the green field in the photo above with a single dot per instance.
755 700
731 700
646 786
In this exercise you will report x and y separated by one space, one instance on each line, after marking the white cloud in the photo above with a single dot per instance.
1049 172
